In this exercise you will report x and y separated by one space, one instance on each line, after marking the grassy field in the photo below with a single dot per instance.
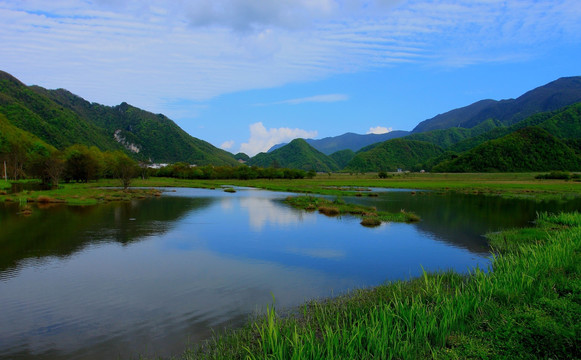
78 194
518 185
526 306
522 185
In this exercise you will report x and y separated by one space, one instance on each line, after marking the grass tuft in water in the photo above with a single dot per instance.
340 207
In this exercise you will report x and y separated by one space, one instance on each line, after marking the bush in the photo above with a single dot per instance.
558 175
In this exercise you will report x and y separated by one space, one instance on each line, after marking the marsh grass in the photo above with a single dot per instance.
329 210
526 305
370 216
370 221
82 194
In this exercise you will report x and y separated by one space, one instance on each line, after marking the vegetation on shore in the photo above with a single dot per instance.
512 185
369 215
78 194
525 306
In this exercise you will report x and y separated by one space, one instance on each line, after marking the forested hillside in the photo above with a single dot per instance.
528 149
394 154
298 154
62 119
552 96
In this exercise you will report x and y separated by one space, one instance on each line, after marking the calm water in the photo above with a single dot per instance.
149 276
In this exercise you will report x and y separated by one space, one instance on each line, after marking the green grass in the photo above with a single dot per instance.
82 194
5 184
370 216
510 185
526 306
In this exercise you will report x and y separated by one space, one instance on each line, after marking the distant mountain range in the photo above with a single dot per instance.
350 141
61 119
538 131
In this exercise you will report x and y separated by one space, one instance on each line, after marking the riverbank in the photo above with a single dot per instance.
77 193
526 306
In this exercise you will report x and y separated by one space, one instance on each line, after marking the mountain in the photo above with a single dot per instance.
351 141
298 154
527 149
342 157
394 154
552 96
564 123
61 119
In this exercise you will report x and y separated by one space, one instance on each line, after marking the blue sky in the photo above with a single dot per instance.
247 74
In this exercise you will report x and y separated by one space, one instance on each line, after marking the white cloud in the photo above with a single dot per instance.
151 52
262 139
227 145
328 98
379 130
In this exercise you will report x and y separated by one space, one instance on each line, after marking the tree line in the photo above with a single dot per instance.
80 163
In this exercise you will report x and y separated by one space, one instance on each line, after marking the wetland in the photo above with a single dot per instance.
150 276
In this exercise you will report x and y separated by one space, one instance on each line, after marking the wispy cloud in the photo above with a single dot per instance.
329 98
227 145
262 139
149 52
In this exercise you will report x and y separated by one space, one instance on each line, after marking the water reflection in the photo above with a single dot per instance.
149 276
64 230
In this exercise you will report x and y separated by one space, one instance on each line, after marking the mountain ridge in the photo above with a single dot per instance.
551 96
61 119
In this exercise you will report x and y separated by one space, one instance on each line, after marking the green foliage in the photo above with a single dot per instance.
340 207
62 119
560 175
394 154
298 154
186 171
342 157
446 138
528 149
242 156
555 95
564 123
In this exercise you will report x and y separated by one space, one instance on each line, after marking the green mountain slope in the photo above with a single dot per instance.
552 96
61 119
298 154
40 116
394 154
564 123
342 157
527 149
11 136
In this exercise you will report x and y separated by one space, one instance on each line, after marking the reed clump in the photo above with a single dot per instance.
371 221
340 207
329 210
